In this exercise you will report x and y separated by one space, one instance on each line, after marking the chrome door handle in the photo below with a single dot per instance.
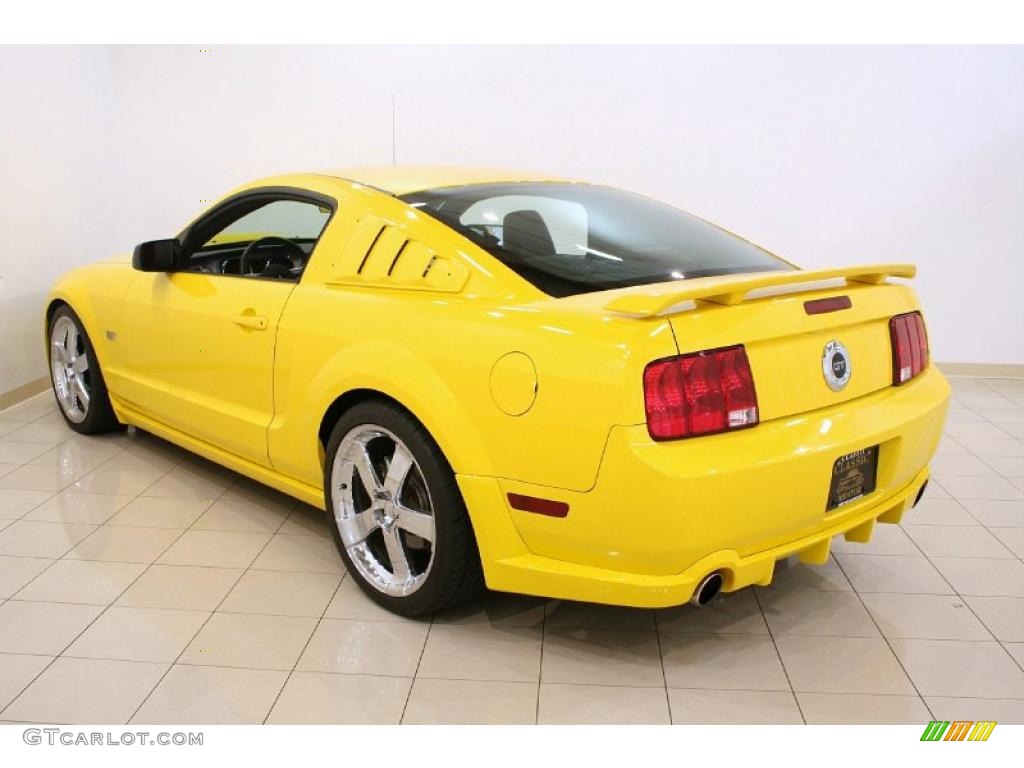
256 322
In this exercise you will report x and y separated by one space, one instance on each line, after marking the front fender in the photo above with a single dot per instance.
96 294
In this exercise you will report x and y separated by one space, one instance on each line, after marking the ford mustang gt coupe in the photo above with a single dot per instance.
489 378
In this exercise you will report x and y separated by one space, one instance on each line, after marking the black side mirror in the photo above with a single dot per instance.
157 256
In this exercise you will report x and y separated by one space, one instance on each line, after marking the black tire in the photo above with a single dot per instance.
455 574
99 415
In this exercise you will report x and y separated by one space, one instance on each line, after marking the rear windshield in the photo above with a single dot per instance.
576 238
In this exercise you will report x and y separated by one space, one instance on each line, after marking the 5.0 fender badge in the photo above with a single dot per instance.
835 364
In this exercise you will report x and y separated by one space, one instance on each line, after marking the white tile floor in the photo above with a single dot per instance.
141 584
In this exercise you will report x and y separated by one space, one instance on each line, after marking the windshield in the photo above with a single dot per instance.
575 238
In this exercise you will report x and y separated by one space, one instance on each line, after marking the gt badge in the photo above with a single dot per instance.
835 364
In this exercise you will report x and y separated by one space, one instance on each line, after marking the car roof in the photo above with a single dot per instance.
403 179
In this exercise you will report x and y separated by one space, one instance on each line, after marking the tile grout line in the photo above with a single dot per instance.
945 557
1002 644
664 676
540 665
956 501
970 607
249 569
65 489
959 502
305 645
210 502
96 527
888 644
109 605
782 663
208 618
140 494
64 555
1011 554
386 622
48 393
523 682
88 626
416 672
54 494
983 525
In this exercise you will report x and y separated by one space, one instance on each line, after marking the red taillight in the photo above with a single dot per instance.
699 394
663 399
909 346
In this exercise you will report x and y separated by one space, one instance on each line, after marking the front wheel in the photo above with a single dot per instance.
397 516
76 377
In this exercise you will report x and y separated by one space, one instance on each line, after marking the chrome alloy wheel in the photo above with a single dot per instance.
69 364
383 510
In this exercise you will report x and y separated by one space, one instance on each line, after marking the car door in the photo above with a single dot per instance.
201 339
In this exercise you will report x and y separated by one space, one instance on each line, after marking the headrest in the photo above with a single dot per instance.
525 232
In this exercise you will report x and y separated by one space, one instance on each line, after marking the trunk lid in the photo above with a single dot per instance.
790 350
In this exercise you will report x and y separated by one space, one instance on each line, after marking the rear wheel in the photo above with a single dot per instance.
75 374
397 516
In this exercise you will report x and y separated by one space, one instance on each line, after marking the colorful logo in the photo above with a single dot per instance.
958 730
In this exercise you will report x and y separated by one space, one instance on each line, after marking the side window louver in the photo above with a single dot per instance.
382 254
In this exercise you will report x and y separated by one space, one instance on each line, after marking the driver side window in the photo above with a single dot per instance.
271 241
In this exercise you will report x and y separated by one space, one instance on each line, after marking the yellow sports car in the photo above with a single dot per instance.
547 387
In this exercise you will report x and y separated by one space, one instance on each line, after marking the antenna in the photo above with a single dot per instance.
394 131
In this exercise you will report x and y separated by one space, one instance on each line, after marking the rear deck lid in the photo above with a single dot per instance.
813 338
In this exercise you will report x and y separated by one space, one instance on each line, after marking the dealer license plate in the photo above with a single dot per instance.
853 476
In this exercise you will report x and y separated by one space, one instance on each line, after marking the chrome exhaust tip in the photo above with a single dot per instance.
708 589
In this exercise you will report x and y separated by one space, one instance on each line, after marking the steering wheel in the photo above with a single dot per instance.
293 248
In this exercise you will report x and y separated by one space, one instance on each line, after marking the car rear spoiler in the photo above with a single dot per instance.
654 300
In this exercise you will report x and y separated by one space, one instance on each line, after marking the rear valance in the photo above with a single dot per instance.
652 300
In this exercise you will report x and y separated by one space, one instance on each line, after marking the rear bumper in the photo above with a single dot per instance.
661 516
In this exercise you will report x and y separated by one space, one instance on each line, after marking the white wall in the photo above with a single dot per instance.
824 155
57 187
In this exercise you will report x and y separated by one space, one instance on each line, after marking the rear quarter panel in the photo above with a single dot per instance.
435 353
